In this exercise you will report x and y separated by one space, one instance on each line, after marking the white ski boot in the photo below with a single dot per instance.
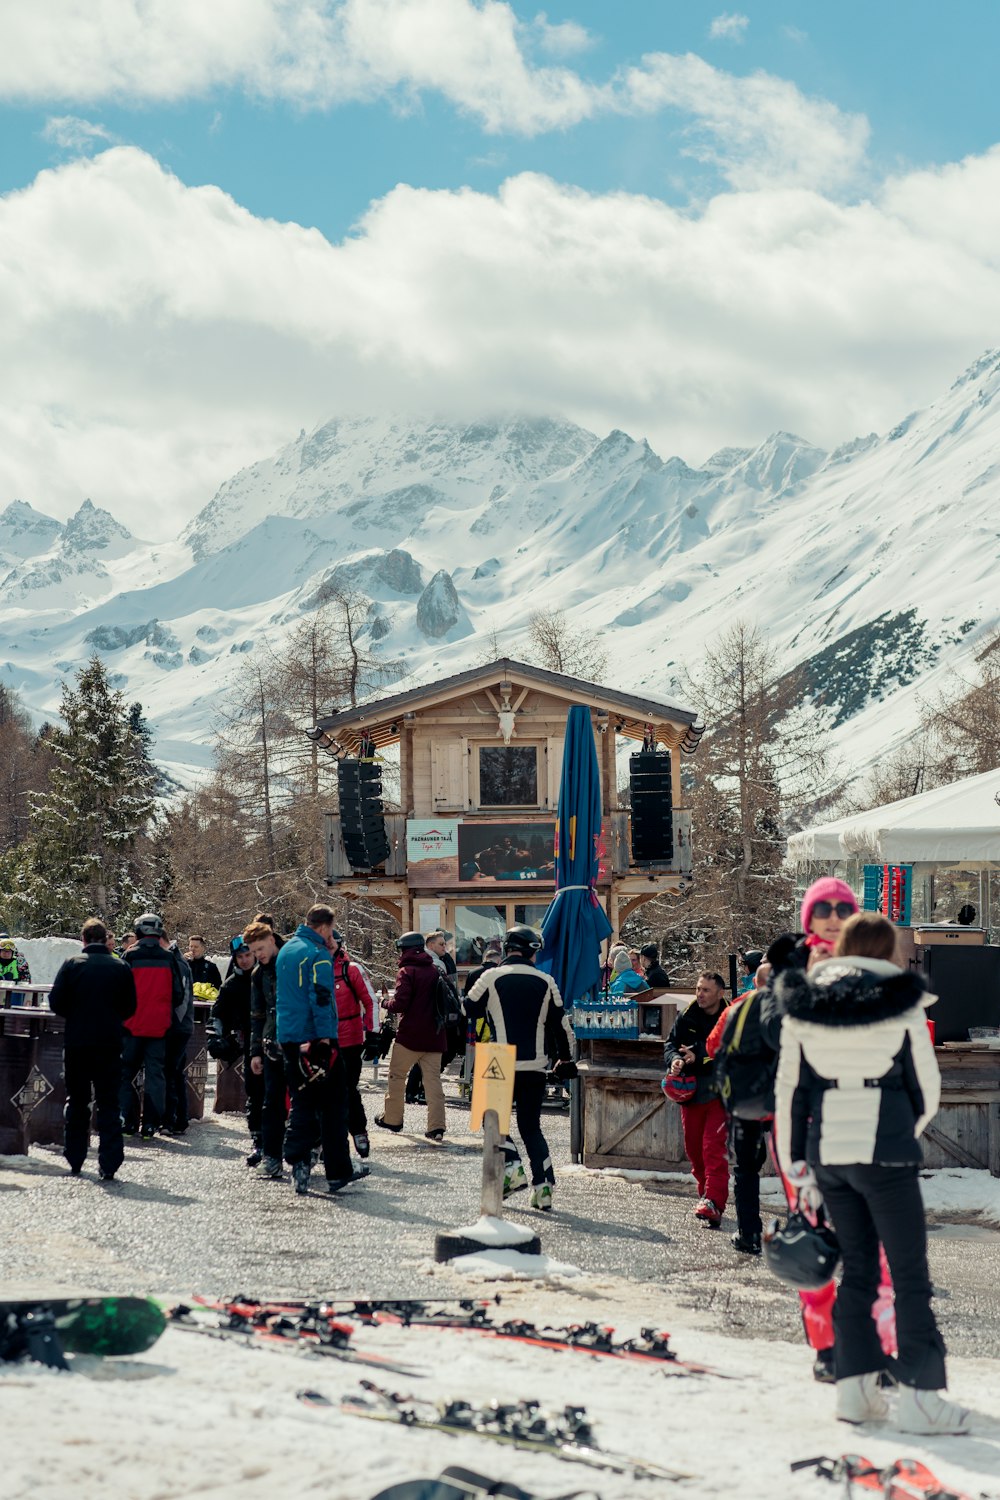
860 1400
514 1178
927 1412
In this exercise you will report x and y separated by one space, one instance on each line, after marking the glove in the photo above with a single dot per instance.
316 1059
803 1179
565 1069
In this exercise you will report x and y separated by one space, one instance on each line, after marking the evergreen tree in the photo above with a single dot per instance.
84 854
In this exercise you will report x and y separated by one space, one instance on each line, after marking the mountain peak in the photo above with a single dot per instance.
93 528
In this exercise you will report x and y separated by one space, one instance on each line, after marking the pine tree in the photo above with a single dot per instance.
84 856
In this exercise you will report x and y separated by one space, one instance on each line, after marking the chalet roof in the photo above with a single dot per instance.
378 716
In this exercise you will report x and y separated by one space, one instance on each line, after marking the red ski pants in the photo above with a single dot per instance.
706 1131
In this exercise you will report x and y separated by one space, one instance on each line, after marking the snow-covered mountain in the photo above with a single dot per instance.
872 566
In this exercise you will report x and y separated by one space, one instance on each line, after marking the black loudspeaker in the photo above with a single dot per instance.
967 984
651 795
362 820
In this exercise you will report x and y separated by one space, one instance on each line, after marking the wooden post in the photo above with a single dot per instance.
491 1201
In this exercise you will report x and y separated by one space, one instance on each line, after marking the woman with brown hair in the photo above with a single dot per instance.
857 1084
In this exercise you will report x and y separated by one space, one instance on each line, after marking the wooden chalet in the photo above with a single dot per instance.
480 759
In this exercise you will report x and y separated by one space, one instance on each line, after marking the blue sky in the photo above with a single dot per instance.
225 220
924 75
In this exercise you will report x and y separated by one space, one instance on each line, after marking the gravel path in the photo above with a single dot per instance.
187 1216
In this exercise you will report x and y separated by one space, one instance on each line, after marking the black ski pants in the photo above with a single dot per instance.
747 1153
318 1111
866 1204
254 1085
147 1053
274 1106
176 1115
529 1091
93 1075
357 1120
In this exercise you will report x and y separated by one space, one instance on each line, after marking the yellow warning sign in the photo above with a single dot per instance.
493 1083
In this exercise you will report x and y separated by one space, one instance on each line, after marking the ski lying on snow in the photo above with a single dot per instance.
565 1434
276 1331
906 1479
46 1328
651 1347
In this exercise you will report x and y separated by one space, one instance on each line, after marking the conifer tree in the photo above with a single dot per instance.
84 854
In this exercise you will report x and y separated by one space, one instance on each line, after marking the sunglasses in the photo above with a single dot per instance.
843 909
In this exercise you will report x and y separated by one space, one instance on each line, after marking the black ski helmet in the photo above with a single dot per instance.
150 925
523 939
410 940
804 1255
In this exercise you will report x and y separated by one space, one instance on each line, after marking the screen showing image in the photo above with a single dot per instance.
508 776
506 851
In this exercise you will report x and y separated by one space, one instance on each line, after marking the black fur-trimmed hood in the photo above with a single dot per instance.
849 992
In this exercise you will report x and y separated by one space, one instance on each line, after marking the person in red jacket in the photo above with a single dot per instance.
160 993
747 1143
419 1037
354 1022
703 1118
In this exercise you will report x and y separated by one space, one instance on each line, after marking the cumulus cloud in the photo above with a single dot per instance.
729 27
311 52
755 130
559 38
155 337
73 134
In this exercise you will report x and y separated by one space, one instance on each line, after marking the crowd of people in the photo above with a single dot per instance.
824 1053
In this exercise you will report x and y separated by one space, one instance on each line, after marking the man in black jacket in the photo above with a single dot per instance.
95 993
266 1059
203 970
703 1118
231 1023
522 1006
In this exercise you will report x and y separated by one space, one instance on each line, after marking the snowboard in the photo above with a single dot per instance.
45 1328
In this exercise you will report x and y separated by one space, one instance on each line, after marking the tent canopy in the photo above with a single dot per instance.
958 824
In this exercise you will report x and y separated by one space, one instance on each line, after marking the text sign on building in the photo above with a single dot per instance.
431 851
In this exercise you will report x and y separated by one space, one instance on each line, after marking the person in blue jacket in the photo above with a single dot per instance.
624 979
314 1071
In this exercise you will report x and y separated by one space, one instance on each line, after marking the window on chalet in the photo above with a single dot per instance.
508 776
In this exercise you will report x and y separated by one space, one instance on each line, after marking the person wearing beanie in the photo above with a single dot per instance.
624 979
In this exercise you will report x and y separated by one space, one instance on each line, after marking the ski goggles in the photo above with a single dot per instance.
238 944
842 909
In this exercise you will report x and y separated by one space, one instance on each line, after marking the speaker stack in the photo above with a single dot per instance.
362 817
651 794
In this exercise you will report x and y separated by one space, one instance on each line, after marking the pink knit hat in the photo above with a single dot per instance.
827 889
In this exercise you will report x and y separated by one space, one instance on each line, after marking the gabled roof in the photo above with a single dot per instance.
379 716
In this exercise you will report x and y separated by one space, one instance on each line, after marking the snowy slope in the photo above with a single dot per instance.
873 565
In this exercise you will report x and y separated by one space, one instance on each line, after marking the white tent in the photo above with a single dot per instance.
958 824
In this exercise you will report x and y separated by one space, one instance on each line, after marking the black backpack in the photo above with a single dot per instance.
745 1065
447 1006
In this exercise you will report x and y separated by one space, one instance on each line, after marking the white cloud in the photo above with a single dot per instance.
73 134
729 27
755 130
154 337
558 39
314 53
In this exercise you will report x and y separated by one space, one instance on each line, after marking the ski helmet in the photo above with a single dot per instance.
149 925
523 939
410 940
679 1087
802 1254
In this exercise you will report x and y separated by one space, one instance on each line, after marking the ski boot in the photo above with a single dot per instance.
270 1169
300 1173
541 1196
515 1179
860 1400
708 1213
927 1413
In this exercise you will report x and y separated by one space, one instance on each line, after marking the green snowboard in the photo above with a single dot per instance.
78 1325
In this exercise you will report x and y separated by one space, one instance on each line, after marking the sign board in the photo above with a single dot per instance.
431 852
493 1083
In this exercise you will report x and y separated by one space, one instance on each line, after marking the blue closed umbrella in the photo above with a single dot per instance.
575 924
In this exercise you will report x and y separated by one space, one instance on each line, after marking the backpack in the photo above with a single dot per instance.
447 1007
745 1065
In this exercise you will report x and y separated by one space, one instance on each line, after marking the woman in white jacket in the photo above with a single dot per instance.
857 1083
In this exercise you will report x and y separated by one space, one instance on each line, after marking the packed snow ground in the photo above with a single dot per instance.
201 1417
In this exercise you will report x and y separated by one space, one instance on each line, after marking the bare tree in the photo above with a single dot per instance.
553 643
